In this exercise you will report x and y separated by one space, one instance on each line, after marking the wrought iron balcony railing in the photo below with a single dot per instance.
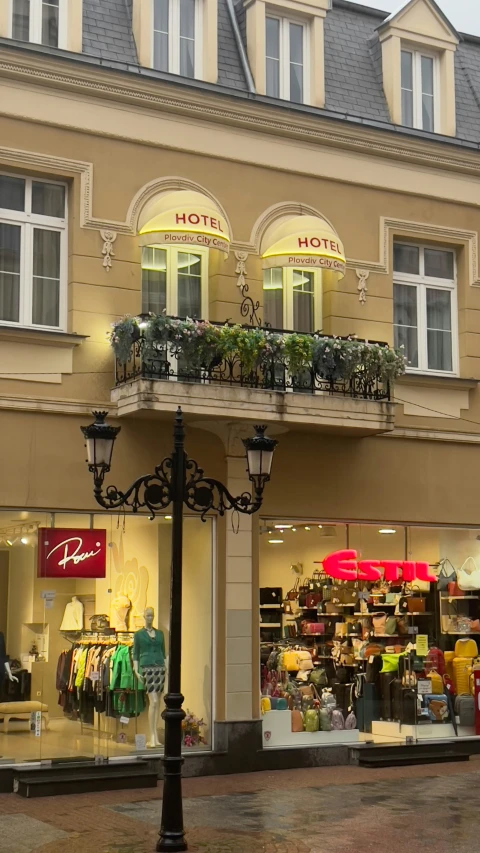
363 374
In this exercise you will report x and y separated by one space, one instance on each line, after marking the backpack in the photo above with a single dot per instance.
435 660
351 721
325 720
465 647
319 677
311 720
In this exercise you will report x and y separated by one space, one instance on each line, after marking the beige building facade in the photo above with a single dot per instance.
96 151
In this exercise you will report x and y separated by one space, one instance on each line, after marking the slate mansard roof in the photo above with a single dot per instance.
353 67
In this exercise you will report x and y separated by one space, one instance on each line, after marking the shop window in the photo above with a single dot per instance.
425 307
38 21
285 59
174 282
33 252
176 25
418 81
292 299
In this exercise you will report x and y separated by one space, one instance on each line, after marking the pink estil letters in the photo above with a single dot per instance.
369 570
341 565
422 571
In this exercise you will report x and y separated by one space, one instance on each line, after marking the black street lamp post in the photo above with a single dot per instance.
177 480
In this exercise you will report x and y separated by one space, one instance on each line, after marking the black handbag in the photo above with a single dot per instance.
271 595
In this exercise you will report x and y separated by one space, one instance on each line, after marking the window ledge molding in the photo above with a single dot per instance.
426 380
43 337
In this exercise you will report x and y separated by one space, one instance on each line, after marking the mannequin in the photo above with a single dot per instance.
119 612
73 616
149 664
4 659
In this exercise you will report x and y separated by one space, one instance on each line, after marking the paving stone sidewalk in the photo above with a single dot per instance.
322 810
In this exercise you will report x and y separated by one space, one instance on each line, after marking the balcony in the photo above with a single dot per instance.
235 372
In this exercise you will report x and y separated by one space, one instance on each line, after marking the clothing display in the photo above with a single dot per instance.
119 613
73 616
3 654
97 675
149 650
154 678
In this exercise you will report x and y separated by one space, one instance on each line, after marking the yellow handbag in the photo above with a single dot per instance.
465 647
462 668
437 682
290 661
449 658
265 704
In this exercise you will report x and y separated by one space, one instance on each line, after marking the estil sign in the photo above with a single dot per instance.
67 553
345 566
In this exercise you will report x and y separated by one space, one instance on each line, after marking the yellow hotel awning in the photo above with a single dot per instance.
186 219
306 242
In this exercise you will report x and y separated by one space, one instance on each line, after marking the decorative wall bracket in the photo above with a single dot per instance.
248 307
108 238
362 285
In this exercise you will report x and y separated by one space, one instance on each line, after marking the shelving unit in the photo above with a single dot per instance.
450 611
276 625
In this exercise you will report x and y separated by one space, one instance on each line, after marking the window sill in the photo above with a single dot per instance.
433 380
43 337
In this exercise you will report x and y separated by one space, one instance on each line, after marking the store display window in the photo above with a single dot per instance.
369 632
84 634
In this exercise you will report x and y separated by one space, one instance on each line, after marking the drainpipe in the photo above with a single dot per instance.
241 48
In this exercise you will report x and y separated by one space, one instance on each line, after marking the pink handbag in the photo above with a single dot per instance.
313 627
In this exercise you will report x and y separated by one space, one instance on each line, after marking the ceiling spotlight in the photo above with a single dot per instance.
24 540
275 541
9 542
294 530
320 526
387 530
307 528
168 518
283 527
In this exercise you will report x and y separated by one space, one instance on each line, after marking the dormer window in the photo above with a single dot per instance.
418 90
174 33
285 59
37 21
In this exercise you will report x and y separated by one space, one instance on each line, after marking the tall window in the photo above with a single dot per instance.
32 252
175 28
292 299
37 20
285 59
174 281
425 312
418 90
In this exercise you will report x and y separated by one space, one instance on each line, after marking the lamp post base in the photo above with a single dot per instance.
171 842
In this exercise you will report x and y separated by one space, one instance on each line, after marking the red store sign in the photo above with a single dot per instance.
345 566
71 553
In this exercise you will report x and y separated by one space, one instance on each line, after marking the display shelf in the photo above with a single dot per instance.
397 636
459 597
270 607
384 604
270 624
461 633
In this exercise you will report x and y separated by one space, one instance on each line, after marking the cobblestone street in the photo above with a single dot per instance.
322 810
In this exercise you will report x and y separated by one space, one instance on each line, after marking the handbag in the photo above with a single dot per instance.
318 677
270 595
416 605
391 625
305 661
316 582
292 594
468 579
327 591
313 627
454 590
312 599
437 682
302 594
99 622
289 661
297 721
446 575
379 621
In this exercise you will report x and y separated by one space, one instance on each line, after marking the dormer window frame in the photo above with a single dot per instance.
284 59
35 8
418 53
174 39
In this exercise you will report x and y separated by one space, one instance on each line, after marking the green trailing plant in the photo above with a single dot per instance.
204 345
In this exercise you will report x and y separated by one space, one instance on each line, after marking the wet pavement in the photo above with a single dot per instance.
322 810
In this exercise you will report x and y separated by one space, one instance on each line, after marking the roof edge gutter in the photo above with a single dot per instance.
241 48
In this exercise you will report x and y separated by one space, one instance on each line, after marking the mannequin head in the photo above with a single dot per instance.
149 616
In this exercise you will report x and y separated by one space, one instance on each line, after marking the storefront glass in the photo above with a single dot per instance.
71 639
387 656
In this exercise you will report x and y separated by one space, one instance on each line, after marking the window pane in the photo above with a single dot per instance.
48 199
407 88
50 23
160 35
187 38
406 258
10 236
12 193
154 280
439 309
303 301
273 78
439 264
189 285
46 278
427 113
272 30
427 75
21 20
296 63
273 297
405 321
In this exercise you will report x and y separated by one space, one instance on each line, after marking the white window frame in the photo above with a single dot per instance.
287 280
27 222
284 54
422 284
172 270
35 36
417 93
174 38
